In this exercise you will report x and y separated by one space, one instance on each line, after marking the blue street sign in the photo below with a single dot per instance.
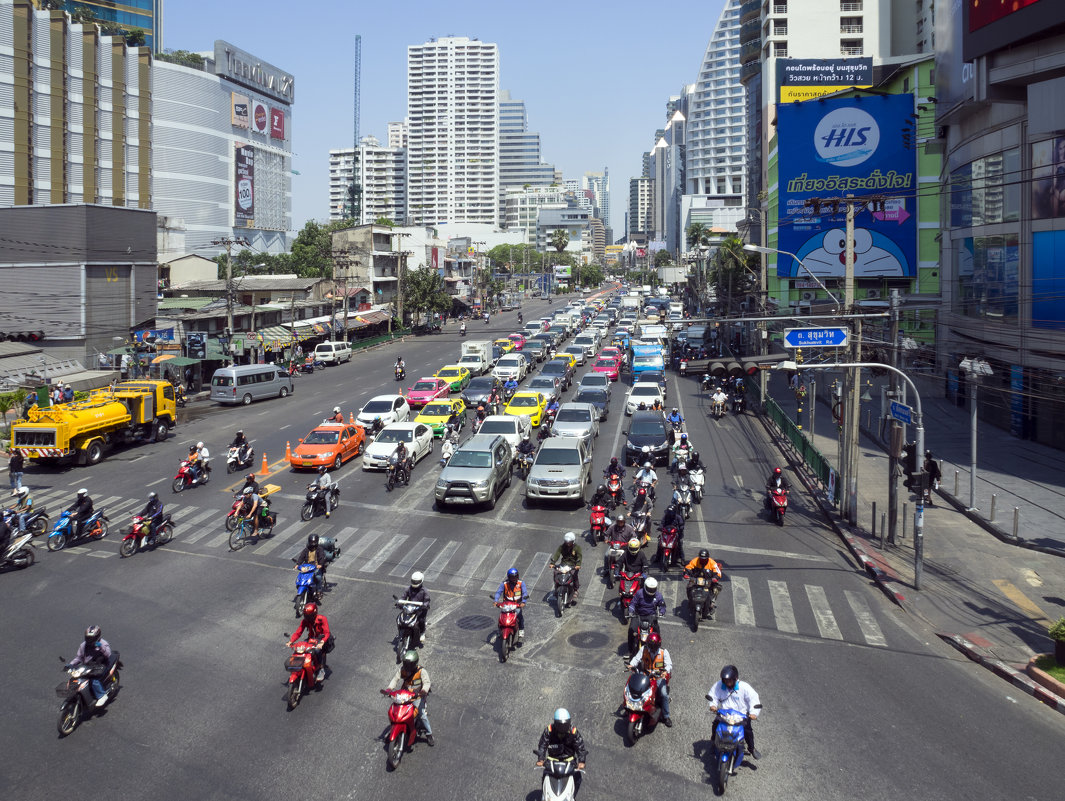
902 412
815 337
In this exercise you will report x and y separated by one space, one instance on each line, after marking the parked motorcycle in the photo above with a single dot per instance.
508 627
306 586
185 478
777 501
78 701
302 675
564 576
408 634
19 552
240 457
559 783
667 547
597 523
640 701
728 743
142 534
64 532
314 504
37 521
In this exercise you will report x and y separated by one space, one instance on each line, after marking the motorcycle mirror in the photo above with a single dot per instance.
394 598
708 698
757 706
61 659
286 634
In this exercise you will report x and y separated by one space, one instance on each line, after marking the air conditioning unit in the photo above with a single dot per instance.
807 296
872 294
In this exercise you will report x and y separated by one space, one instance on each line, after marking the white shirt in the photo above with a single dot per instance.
204 454
648 476
743 698
719 397
324 481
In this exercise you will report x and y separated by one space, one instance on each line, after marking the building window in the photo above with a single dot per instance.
850 47
780 49
986 273
850 25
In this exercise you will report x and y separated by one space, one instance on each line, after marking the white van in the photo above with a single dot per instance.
333 352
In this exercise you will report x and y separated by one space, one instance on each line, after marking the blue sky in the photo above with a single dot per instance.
594 76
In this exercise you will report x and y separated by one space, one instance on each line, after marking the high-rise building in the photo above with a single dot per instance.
522 205
145 16
639 212
453 131
667 163
599 185
519 151
397 134
382 181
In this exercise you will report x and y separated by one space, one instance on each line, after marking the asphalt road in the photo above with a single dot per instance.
859 700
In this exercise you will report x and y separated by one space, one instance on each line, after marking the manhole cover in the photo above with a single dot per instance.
474 622
588 639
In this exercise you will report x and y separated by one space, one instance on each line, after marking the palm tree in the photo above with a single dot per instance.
698 235
732 272
559 239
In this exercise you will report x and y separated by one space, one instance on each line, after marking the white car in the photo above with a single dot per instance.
417 436
513 365
643 393
390 408
510 427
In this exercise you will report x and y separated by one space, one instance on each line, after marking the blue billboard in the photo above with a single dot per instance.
847 146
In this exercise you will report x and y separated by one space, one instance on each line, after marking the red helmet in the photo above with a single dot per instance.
776 471
310 611
654 641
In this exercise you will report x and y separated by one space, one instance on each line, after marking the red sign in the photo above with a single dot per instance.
277 123
984 12
259 117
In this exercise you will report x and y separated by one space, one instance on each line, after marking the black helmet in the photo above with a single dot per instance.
321 469
240 432
249 477
92 636
613 461
312 542
729 676
704 554
601 488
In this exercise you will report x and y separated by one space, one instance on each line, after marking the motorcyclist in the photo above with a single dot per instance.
656 405
401 365
417 592
511 386
241 443
552 406
520 319
454 421
462 328
776 479
731 693
93 650
526 446
562 741
513 590
23 507
694 462
620 530
199 458
615 468
703 565
337 416
648 476
249 481
719 396
314 555
415 679
569 553
403 460
81 510
5 534
324 483
681 448
601 496
316 627
251 508
674 518
649 601
153 513
674 418
654 660
633 560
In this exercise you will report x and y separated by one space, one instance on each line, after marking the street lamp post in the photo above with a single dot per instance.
974 369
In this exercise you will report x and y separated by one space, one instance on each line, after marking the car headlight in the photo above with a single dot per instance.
441 484
483 484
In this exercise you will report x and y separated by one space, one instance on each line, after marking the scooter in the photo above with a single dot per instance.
36 520
447 447
697 477
314 504
141 533
403 720
238 458
598 523
63 533
564 576
682 496
19 552
407 633
306 586
717 409
628 585
462 330
615 549
667 547
559 783
302 676
777 501
185 479
728 743
613 486
640 626
78 700
400 373
640 700
703 590
739 403
523 465
508 627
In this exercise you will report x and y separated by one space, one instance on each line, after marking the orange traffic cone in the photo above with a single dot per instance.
288 451
266 467
352 421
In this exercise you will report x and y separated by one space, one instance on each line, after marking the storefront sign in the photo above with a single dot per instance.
240 67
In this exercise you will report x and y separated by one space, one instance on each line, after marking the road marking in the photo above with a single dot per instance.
297 543
436 567
223 539
866 622
739 481
271 544
413 555
355 549
473 561
720 546
382 555
109 501
1020 600
592 592
743 609
1033 578
535 569
152 483
285 426
195 520
498 573
782 611
826 622
98 554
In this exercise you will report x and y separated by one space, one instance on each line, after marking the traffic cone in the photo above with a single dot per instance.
352 420
288 451
266 467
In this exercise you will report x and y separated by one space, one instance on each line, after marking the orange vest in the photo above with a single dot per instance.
654 664
515 593
414 683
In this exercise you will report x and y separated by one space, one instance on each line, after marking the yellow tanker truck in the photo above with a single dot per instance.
132 412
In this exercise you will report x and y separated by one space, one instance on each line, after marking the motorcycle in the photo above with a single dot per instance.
707 383
598 523
403 717
180 397
682 497
408 634
185 479
239 457
564 576
64 532
640 626
739 402
728 743
523 465
508 627
302 675
397 473
703 590
698 479
640 515
314 504
615 549
306 586
549 417
628 585
232 517
640 699
36 520
667 547
717 409
141 533
447 448
508 393
613 487
559 783
400 373
462 330
19 552
78 701
777 502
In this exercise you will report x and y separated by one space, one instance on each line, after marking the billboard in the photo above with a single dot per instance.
1048 178
1048 280
993 26
245 184
809 78
277 123
562 271
259 117
836 147
239 116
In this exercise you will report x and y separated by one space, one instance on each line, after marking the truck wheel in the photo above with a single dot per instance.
94 453
161 430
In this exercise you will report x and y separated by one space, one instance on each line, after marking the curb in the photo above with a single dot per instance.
1005 671
995 531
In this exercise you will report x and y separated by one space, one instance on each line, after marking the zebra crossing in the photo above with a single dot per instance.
475 568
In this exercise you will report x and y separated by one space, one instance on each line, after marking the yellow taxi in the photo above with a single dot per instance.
569 357
506 344
529 404
437 413
456 376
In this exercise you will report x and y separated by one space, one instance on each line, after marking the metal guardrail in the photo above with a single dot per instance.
816 461
369 342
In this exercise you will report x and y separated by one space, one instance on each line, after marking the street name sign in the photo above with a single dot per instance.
902 412
816 337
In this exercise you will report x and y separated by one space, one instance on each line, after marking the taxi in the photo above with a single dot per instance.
569 357
530 404
612 350
518 340
608 365
506 344
425 390
455 375
438 412
328 445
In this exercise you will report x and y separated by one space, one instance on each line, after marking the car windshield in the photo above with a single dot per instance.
437 409
448 373
510 361
576 350
322 438
558 456
540 382
647 361
498 427
525 402
394 435
424 386
605 364
647 428
377 407
591 396
650 390
652 375
573 416
460 458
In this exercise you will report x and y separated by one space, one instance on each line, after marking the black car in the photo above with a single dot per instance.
647 428
559 369
599 398
478 390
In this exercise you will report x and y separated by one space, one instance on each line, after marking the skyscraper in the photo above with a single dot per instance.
598 183
382 180
519 151
453 131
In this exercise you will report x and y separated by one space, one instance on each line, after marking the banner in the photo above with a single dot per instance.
158 334
852 145
240 111
245 184
259 116
562 271
277 123
809 78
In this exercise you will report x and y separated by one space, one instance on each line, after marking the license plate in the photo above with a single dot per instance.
460 500
308 464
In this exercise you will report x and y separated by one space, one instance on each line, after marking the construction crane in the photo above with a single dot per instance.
354 204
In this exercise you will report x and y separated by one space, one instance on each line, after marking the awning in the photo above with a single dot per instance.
371 317
181 361
123 349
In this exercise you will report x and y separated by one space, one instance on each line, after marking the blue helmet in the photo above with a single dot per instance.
512 574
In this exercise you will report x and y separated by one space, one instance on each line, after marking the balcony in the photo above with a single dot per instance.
851 29
849 6
849 48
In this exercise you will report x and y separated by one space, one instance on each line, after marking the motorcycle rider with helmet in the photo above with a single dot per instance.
615 468
416 592
23 507
649 601
674 418
415 679
647 475
316 556
511 386
324 483
707 567
673 517
526 446
252 507
403 461
561 740
601 497
93 650
337 416
731 693
569 553
249 481
81 510
316 627
682 448
513 590
654 660
240 442
633 560
777 477
152 513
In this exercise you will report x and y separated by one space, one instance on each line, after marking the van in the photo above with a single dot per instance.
333 352
244 383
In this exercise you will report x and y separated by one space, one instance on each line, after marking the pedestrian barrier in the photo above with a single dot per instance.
811 457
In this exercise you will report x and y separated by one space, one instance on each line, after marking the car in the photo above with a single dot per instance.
569 357
643 393
417 436
436 414
562 470
427 389
608 366
599 398
513 365
531 404
647 428
613 350
480 389
576 352
536 349
654 377
596 381
560 369
589 342
390 408
518 340
576 420
456 375
549 385
507 345
328 445
508 426
478 472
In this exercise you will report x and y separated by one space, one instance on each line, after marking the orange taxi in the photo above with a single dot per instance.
330 444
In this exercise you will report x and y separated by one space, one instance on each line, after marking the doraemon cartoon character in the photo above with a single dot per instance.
824 254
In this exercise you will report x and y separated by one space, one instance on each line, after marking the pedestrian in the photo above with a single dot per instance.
68 394
57 394
933 474
104 362
14 469
124 366
188 378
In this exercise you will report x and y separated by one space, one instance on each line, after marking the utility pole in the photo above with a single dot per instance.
895 435
228 243
853 378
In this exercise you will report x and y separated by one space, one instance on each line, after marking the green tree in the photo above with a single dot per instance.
312 249
385 222
663 257
424 292
698 235
592 275
7 403
559 239
733 273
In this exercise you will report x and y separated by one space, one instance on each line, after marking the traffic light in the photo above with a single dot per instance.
752 364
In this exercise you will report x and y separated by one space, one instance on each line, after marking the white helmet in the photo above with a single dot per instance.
650 583
648 466
416 578
336 410
22 492
82 491
570 537
199 444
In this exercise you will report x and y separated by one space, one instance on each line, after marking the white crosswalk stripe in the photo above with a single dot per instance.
499 572
826 621
469 567
407 563
535 570
353 550
222 540
387 549
593 588
782 611
193 525
299 543
866 622
743 608
436 567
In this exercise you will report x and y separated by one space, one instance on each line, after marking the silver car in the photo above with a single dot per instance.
561 470
577 420
478 472
547 385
